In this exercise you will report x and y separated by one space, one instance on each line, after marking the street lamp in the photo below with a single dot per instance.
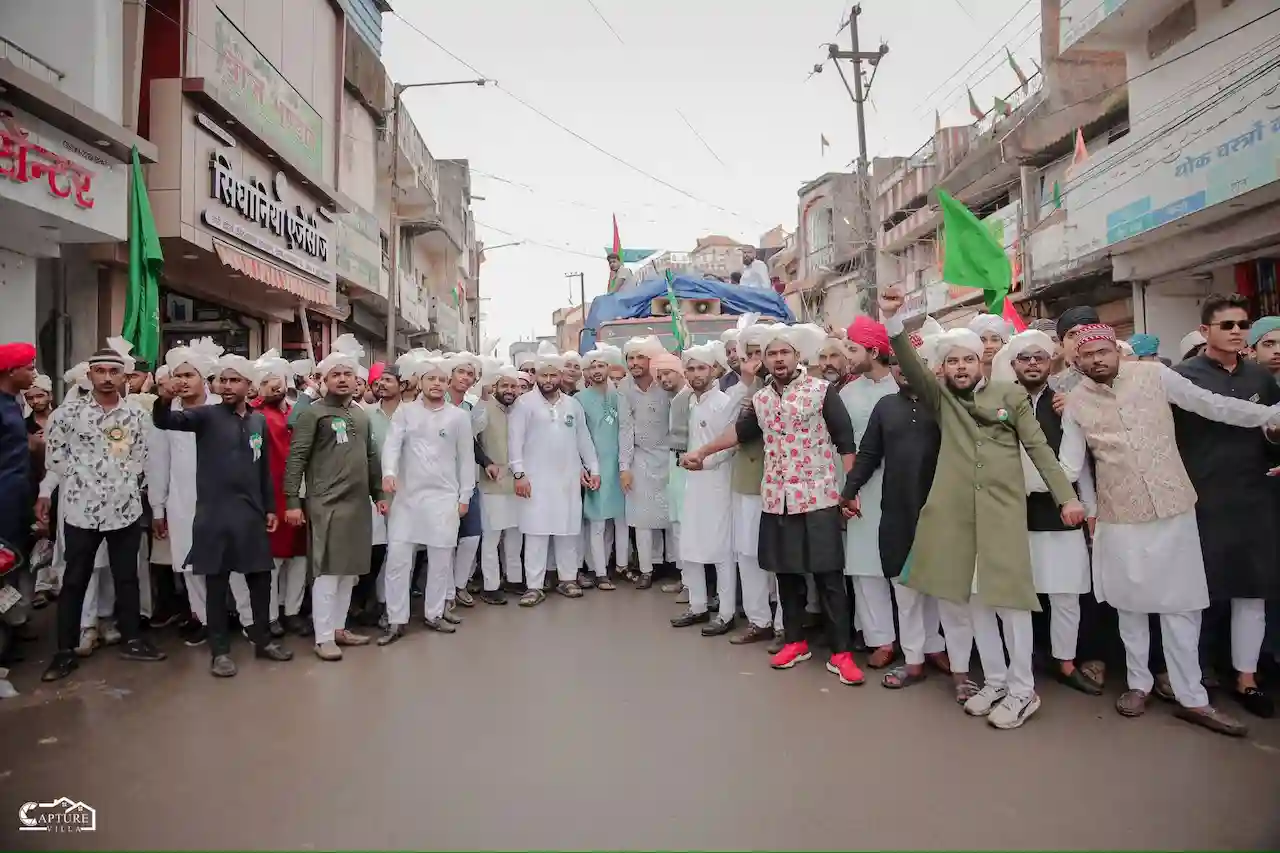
394 254
501 246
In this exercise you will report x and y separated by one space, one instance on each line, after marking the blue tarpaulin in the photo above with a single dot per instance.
634 301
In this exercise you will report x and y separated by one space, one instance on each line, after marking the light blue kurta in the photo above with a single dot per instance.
862 535
601 410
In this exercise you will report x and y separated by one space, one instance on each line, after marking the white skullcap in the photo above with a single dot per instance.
526 376
162 372
302 367
426 366
805 338
1125 347
504 371
965 339
572 357
1190 342
467 359
362 372
930 329
123 347
730 336
271 364
605 353
489 369
346 352
832 344
78 376
701 354
646 345
44 383
990 323
1031 339
548 356
239 364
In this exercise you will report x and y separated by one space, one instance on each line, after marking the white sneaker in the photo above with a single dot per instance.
89 641
110 633
1013 711
981 703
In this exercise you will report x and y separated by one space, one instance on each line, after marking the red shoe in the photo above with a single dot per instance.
791 654
846 667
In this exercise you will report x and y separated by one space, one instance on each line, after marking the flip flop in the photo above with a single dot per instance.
532 597
900 677
605 584
569 589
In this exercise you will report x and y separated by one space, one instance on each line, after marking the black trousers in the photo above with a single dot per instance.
164 592
80 545
793 593
365 595
219 606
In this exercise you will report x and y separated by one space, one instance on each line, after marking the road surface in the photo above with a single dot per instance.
591 724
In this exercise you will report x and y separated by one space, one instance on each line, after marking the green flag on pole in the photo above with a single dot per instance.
972 257
678 330
142 301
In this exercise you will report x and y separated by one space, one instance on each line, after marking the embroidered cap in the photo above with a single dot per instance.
1094 332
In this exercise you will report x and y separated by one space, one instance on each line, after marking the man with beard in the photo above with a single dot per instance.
1147 555
288 543
967 551
730 340
755 273
552 459
869 351
994 332
429 465
902 439
466 371
333 450
604 509
644 448
706 507
1235 508
1059 553
800 525
235 507
833 362
501 509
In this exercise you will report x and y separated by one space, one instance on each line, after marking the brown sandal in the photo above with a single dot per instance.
569 589
881 657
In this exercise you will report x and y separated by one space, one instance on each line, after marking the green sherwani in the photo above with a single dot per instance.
341 476
976 515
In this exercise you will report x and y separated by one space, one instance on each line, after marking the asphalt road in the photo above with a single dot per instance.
592 724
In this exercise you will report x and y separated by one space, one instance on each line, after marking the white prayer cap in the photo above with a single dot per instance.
548 357
302 367
502 371
606 354
701 354
990 323
526 376
78 376
731 336
1125 347
805 338
645 345
489 369
467 359
833 344
427 366
362 372
346 352
271 364
404 363
1031 339
965 339
572 357
162 372
123 347
1190 342
202 355
239 364
44 383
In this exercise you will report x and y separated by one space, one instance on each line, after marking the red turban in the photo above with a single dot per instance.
869 334
376 371
15 355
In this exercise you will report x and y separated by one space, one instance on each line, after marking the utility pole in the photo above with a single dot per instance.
859 93
582 291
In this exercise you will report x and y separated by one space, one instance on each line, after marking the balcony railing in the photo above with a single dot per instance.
30 63
416 153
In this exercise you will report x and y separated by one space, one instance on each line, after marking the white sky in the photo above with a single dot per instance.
735 68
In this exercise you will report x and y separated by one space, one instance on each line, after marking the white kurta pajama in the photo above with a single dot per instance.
1146 549
706 508
873 600
431 455
644 451
550 445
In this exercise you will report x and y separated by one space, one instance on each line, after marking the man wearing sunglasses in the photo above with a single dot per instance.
1235 510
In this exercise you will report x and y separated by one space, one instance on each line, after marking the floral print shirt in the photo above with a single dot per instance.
100 455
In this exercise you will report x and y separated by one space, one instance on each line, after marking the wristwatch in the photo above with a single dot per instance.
519 476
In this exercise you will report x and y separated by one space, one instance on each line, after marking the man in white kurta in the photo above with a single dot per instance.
868 345
552 458
1146 550
706 508
644 452
428 461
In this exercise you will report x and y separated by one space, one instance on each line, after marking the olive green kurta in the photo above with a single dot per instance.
976 515
341 477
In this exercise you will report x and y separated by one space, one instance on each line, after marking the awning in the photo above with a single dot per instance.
318 296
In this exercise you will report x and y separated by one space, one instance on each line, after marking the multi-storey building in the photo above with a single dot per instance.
830 250
717 255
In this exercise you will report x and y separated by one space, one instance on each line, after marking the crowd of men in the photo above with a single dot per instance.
1058 497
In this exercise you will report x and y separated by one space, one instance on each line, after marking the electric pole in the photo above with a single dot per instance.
859 93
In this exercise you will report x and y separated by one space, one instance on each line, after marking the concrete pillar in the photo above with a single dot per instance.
18 296
274 336
113 288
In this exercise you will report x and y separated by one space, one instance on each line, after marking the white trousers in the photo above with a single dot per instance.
873 606
330 601
694 577
537 554
464 563
289 585
399 578
1180 637
1248 630
957 628
598 546
756 584
917 624
1064 624
198 597
490 568
1016 674
651 544
617 537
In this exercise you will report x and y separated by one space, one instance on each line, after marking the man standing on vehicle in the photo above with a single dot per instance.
755 273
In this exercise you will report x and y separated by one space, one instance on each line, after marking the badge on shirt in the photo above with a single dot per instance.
255 444
442 434
568 420
117 441
339 430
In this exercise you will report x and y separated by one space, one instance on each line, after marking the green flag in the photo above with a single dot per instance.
1057 196
678 330
972 256
142 302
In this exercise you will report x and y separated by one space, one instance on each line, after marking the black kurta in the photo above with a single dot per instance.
810 542
234 492
1235 500
1043 514
903 436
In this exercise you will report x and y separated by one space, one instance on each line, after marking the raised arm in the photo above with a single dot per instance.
1185 394
1037 447
295 469
918 374
165 417
869 456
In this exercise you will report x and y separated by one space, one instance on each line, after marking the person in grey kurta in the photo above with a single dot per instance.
333 450
235 507
970 548
644 451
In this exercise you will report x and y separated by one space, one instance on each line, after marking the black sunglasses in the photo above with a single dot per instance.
1228 325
